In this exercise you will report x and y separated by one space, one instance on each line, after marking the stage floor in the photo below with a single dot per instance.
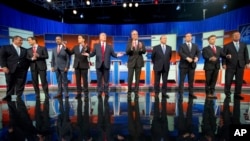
118 116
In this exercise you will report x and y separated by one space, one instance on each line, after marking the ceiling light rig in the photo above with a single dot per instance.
130 4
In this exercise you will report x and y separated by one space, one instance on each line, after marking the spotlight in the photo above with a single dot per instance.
88 2
156 2
48 0
74 12
178 7
81 16
136 4
130 4
124 5
224 6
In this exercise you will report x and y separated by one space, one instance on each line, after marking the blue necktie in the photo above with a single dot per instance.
80 48
237 46
163 49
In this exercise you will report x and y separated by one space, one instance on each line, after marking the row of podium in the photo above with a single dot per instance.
119 74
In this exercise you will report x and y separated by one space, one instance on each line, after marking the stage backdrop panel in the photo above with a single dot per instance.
23 33
219 38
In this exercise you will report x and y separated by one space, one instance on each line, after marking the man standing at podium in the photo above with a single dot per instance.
135 49
60 64
235 66
161 56
37 56
103 53
15 66
189 53
81 65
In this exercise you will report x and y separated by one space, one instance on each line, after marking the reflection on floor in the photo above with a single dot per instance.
117 117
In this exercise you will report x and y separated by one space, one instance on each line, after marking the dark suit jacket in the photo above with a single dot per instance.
109 51
60 61
80 60
184 53
241 56
160 59
207 53
40 63
135 58
10 59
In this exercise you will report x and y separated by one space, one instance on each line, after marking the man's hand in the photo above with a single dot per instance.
189 59
65 69
228 56
52 69
85 54
213 58
248 66
224 66
119 54
5 70
140 45
195 59
33 58
36 55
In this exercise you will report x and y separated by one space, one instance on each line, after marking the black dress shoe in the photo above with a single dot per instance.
58 96
238 97
192 96
78 96
165 96
7 98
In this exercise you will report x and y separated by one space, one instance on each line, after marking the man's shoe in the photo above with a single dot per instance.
7 98
78 96
192 96
58 96
238 97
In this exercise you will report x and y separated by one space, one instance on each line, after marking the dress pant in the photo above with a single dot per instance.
16 82
81 74
35 81
230 72
131 72
211 79
62 81
158 74
190 74
102 75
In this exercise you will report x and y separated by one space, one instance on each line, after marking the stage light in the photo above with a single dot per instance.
136 4
48 0
74 12
178 7
130 4
81 16
87 2
124 5
156 2
224 6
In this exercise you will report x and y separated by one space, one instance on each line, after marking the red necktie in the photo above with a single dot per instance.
58 49
103 51
214 49
34 49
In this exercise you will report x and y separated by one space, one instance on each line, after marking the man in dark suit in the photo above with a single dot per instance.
60 64
37 56
161 56
189 53
135 49
211 55
103 52
236 65
15 66
81 65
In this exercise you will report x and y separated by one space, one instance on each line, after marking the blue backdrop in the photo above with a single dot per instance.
227 21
